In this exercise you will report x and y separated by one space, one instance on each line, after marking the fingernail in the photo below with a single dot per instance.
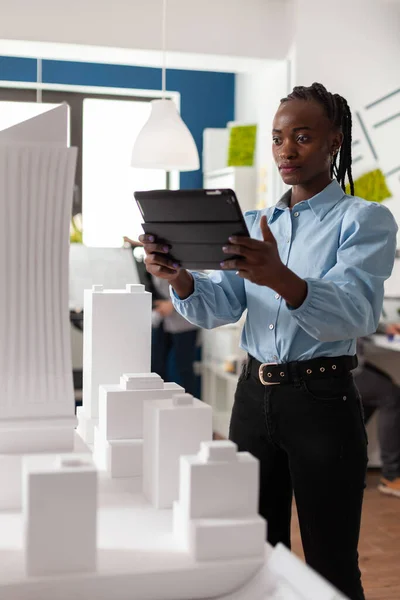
232 239
175 265
151 238
165 248
224 248
222 263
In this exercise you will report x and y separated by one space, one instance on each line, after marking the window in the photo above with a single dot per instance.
104 128
12 113
109 212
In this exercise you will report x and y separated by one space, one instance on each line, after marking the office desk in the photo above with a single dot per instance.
382 341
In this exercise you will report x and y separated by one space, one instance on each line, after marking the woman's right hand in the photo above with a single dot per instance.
158 264
156 261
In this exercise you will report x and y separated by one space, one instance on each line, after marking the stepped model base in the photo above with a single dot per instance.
138 559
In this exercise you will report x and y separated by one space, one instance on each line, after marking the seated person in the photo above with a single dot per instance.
378 391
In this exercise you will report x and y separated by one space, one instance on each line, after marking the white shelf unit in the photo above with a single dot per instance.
219 386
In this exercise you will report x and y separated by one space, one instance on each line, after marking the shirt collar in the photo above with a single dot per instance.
320 204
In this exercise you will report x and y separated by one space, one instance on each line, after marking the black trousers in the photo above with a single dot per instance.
184 345
379 392
309 438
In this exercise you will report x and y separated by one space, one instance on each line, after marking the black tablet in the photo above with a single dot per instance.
195 223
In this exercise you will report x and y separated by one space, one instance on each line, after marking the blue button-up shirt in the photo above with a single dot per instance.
342 246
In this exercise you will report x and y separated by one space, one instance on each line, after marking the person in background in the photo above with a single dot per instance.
311 277
379 392
171 333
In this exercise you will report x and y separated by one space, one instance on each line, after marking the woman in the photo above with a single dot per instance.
311 278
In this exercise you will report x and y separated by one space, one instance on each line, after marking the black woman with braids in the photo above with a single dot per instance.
311 278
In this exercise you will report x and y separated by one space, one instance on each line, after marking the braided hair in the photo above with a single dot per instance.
338 112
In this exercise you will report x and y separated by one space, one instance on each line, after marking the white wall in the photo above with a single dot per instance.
250 28
257 98
354 50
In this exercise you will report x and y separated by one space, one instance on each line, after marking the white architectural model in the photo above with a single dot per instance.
37 172
87 533
216 517
171 429
116 339
59 509
285 577
291 579
118 439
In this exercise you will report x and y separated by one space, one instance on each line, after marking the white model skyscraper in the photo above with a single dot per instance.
116 340
37 172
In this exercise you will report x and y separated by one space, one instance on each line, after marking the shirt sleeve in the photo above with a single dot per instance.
218 298
346 303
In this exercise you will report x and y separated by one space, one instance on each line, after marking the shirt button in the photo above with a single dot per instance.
296 214
288 241
271 326
275 357
277 296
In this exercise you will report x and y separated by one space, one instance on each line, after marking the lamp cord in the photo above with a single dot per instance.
38 79
164 49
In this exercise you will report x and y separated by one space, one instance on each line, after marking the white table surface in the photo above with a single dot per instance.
382 341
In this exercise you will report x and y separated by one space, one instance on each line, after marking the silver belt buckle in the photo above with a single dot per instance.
261 374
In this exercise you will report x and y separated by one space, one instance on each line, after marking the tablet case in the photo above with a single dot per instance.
195 223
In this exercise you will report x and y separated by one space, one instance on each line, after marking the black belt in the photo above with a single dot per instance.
317 368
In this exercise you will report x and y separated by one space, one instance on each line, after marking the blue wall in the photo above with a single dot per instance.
207 98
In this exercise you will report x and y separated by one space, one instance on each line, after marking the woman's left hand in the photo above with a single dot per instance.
165 308
259 261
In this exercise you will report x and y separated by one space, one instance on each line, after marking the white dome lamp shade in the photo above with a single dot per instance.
165 142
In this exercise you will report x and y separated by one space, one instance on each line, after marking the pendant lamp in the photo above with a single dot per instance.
165 142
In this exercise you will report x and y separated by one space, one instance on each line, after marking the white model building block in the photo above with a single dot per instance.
11 469
216 516
121 410
219 539
218 451
117 339
60 512
170 429
141 381
219 482
86 426
119 458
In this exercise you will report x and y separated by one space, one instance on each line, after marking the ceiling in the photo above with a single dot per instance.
251 29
